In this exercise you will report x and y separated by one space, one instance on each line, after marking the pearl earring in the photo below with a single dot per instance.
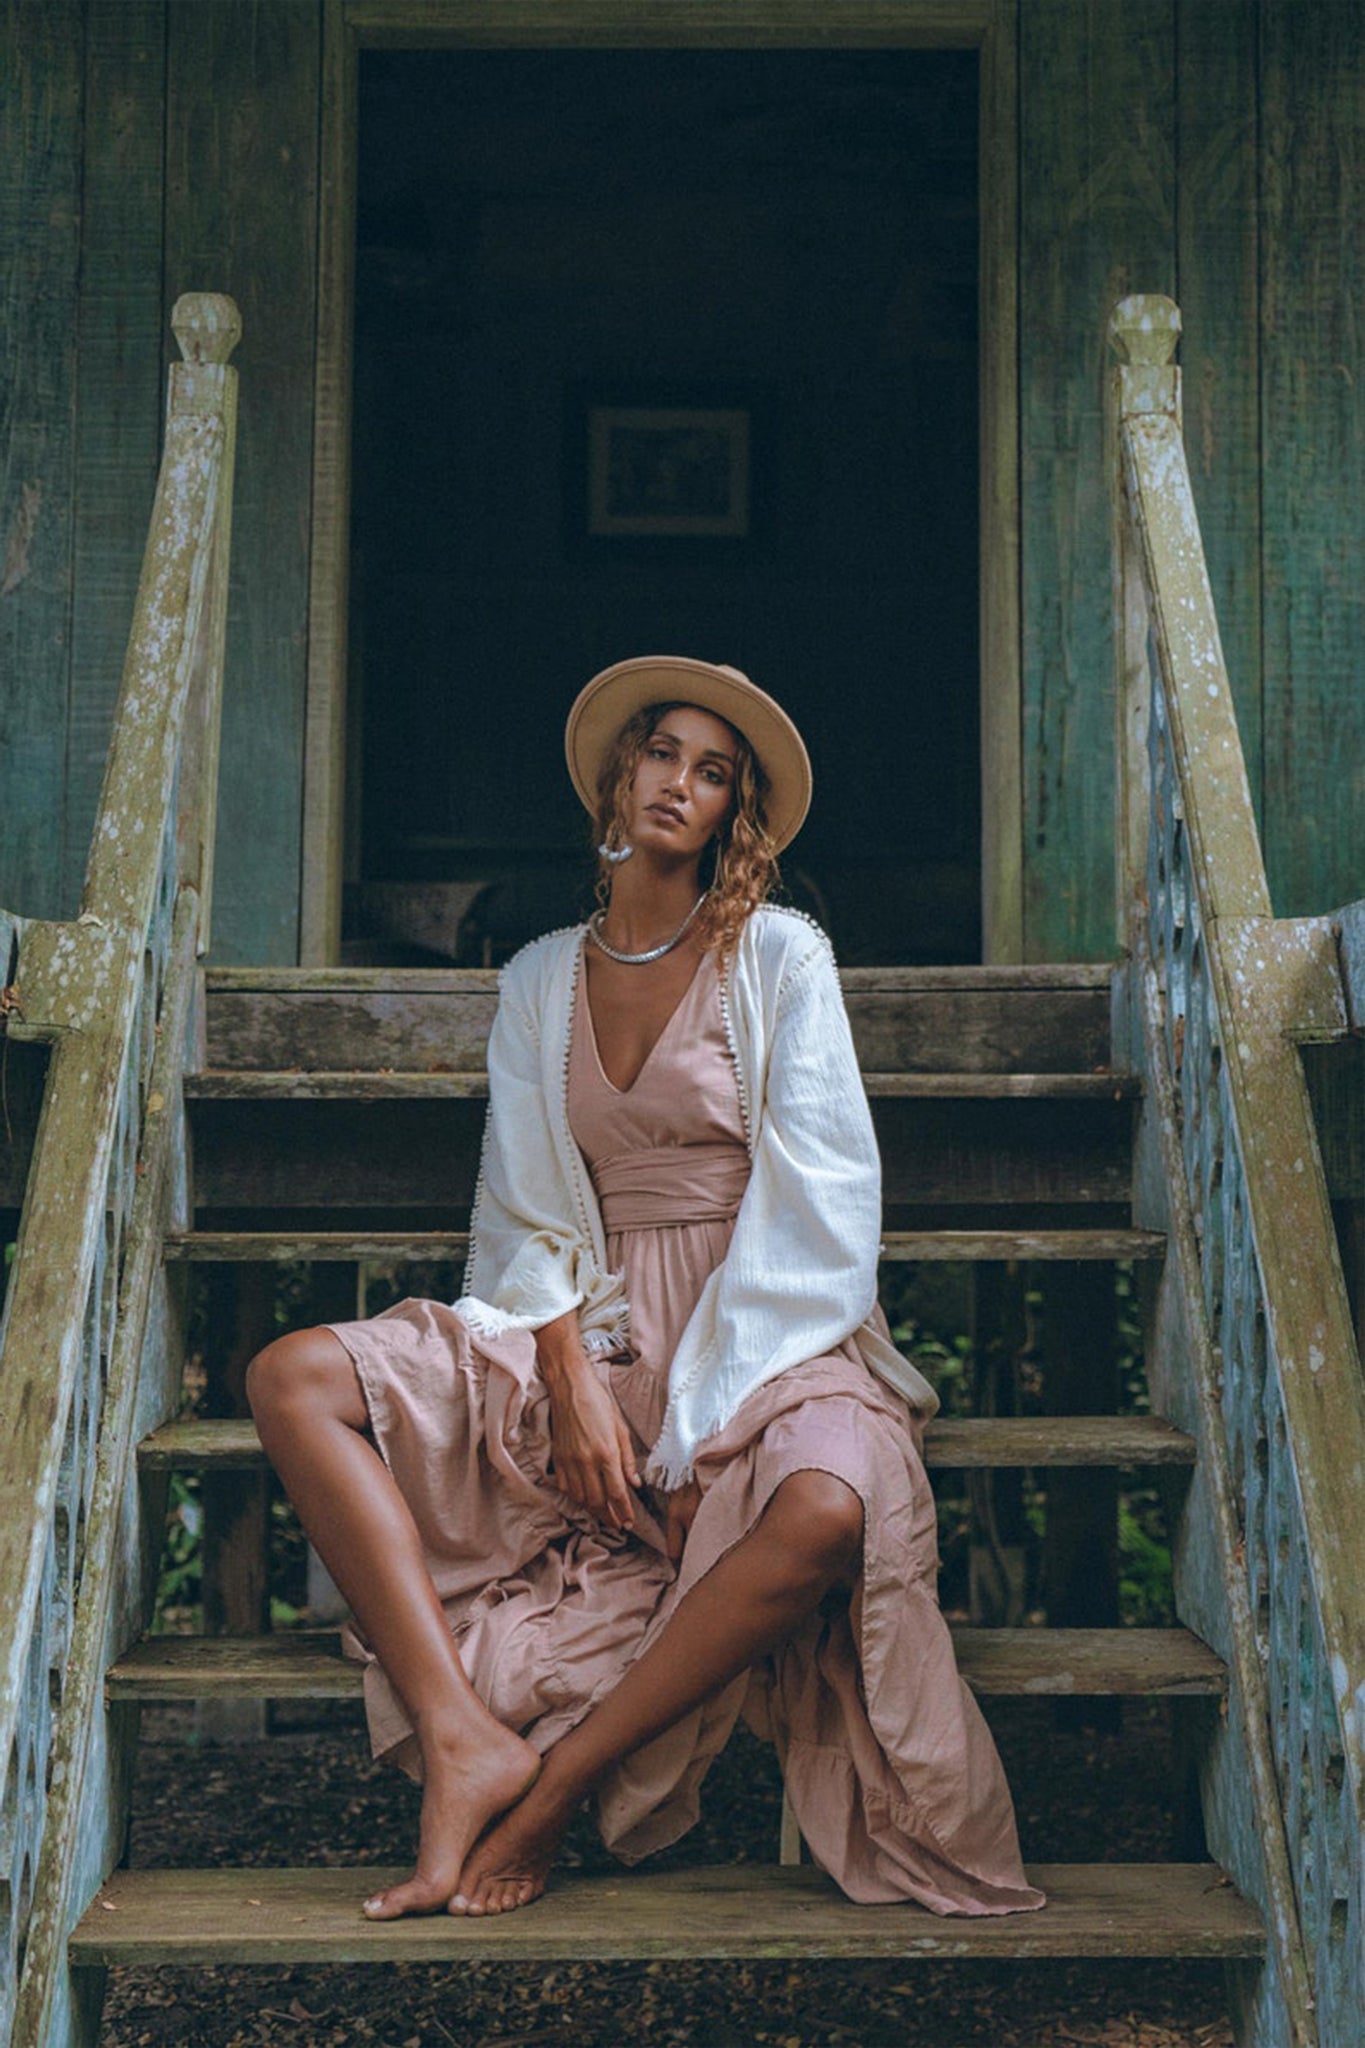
615 854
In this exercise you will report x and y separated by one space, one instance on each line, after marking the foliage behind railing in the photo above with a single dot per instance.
111 992
1232 993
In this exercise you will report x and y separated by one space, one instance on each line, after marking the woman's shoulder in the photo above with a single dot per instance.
539 960
782 940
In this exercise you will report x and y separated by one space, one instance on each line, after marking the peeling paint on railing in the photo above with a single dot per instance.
1238 991
96 989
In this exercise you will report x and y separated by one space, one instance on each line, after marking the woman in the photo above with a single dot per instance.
661 1461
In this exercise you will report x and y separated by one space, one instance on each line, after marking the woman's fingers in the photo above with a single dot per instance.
623 1476
601 1488
610 1474
586 1488
591 1452
627 1450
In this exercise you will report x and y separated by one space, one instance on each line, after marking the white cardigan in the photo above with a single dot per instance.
800 1274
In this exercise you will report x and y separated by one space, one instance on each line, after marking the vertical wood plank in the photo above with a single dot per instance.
1080 1544
1002 914
333 728
236 1583
1217 265
1313 442
122 344
41 85
1097 200
241 217
997 1560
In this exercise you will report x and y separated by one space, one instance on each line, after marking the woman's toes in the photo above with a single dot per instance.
504 1895
404 1898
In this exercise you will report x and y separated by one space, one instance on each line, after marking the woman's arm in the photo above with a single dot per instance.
537 1248
591 1449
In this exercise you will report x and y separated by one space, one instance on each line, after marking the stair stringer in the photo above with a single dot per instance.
1272 2002
95 1750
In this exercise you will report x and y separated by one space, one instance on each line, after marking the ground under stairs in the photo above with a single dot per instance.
335 1117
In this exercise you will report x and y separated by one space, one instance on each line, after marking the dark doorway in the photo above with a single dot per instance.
757 271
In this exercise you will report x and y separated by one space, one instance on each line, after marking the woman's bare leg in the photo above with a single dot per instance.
807 1538
311 1415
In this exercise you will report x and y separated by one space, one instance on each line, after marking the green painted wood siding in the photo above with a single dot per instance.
41 96
1209 150
1217 230
1213 151
243 86
1313 449
1097 203
151 147
120 390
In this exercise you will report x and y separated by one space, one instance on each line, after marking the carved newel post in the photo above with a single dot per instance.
203 387
1143 331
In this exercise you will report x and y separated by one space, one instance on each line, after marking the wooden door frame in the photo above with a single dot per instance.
989 26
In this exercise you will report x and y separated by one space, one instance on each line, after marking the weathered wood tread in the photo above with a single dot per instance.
382 1084
313 1915
1044 975
1047 1440
308 1664
251 1084
320 1246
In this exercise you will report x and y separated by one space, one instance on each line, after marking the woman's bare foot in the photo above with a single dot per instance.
465 1786
509 1867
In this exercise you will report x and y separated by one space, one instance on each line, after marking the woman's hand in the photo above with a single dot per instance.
682 1512
590 1445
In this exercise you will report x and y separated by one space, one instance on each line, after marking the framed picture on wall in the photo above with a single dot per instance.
666 472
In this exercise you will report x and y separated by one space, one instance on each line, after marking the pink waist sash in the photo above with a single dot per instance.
671 1184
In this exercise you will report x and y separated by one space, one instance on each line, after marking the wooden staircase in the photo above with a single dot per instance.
1055 1116
316 1135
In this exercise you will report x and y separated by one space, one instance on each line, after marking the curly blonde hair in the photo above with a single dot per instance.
739 872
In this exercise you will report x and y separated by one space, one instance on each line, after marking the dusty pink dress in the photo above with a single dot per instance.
890 1768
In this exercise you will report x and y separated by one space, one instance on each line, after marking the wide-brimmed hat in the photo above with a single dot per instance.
603 706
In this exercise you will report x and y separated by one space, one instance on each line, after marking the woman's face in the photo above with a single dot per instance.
683 790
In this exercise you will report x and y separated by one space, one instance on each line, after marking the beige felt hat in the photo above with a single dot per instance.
602 707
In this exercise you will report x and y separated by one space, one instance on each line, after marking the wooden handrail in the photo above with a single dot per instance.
1227 993
109 991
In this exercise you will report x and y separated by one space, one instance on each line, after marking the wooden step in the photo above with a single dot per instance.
313 1915
411 1143
1025 1019
999 1663
391 1084
413 1247
953 1444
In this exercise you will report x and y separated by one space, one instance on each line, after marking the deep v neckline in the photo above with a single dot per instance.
586 1001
